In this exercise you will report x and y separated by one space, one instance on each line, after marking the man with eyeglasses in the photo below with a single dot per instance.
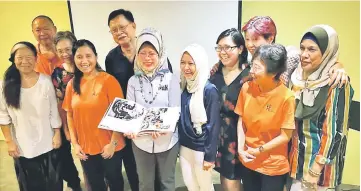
120 63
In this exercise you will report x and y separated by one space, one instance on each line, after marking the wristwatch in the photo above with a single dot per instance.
261 149
115 143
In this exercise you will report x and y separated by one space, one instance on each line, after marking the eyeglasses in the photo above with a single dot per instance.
226 48
150 54
118 28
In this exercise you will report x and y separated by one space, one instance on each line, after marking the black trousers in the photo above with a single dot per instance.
255 181
68 171
99 170
130 166
41 173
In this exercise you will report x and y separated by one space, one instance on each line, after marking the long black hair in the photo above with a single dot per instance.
12 78
77 73
238 39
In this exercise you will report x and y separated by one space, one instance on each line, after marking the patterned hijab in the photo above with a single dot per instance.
154 37
196 85
307 89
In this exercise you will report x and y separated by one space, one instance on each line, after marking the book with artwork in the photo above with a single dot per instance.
126 116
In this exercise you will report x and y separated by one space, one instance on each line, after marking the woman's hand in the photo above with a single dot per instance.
214 68
56 140
245 156
338 76
309 182
253 151
108 151
13 149
130 135
67 133
79 152
208 165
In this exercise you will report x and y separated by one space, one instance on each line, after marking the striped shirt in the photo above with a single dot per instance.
322 138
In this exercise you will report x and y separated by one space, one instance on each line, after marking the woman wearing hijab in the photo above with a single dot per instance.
153 85
199 121
319 142
30 122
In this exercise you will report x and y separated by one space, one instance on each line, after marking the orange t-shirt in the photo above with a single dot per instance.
263 116
46 63
88 109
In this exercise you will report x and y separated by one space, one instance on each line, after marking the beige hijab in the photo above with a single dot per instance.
154 37
196 85
308 89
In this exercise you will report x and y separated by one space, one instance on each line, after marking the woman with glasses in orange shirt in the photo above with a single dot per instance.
266 121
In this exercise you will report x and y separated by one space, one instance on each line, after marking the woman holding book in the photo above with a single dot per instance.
153 85
87 98
199 121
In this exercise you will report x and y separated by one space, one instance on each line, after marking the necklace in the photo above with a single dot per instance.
142 92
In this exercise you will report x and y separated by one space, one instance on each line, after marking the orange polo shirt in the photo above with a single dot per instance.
88 109
263 116
46 63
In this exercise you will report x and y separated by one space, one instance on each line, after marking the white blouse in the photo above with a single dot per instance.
33 123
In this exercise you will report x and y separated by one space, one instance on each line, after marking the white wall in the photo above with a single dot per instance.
181 23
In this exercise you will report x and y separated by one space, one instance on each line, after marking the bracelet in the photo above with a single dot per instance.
306 184
313 173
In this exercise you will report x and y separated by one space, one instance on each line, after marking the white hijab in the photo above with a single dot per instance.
196 85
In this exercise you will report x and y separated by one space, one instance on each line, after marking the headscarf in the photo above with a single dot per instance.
314 89
196 85
154 37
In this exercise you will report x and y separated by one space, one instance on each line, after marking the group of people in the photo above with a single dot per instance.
278 122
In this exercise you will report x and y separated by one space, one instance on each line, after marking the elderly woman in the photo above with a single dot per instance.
199 121
153 85
30 122
266 121
61 75
319 143
233 67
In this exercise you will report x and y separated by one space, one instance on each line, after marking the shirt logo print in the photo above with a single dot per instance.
269 107
164 87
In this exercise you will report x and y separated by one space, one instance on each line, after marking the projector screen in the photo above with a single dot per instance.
180 22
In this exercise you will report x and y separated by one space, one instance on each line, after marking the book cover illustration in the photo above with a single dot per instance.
129 117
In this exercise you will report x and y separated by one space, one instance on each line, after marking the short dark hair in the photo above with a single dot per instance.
77 73
64 35
127 14
274 56
43 17
237 39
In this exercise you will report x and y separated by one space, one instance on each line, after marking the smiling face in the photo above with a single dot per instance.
148 57
44 31
25 60
122 30
311 56
253 41
259 72
229 52
188 66
85 60
63 50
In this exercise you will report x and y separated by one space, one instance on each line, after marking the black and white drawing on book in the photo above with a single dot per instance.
129 117
125 110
